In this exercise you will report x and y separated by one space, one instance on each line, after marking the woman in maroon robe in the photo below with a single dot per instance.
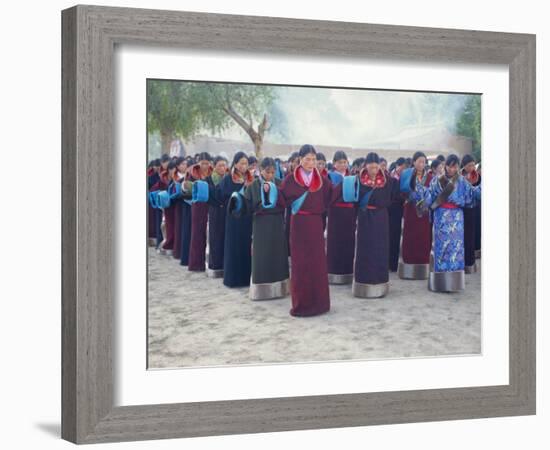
342 218
371 275
181 168
199 214
417 229
308 195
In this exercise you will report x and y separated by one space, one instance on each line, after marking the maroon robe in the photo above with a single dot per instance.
199 221
308 275
342 219
417 233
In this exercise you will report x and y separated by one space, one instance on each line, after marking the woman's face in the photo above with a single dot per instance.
204 165
242 165
182 167
164 164
372 169
341 165
268 173
452 170
469 168
321 164
384 166
221 167
419 164
309 161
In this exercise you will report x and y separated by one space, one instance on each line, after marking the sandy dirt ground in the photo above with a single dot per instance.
194 320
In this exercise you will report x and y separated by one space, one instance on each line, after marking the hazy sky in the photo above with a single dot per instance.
356 117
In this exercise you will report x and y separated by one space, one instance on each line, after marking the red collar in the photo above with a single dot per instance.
378 182
195 172
316 179
238 178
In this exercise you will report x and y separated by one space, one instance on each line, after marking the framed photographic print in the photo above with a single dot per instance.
279 224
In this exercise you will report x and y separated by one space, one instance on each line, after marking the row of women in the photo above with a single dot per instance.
253 220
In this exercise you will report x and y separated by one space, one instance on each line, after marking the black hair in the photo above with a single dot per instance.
339 155
408 161
321 156
372 157
156 162
306 149
419 155
452 159
435 164
400 161
179 160
383 159
165 158
172 165
293 156
151 164
392 166
329 166
204 156
358 162
441 158
267 162
238 156
252 159
467 159
219 158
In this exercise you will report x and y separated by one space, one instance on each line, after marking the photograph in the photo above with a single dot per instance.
299 224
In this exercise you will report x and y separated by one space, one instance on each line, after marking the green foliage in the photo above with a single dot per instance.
170 109
185 108
469 123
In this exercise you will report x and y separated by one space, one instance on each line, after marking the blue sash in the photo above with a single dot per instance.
335 177
200 191
405 180
297 204
365 199
273 194
350 189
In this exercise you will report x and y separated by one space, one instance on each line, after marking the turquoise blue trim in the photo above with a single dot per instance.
200 191
365 199
273 194
297 204
350 189
405 180
335 177
238 201
163 199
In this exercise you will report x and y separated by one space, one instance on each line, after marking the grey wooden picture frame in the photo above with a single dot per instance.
89 36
